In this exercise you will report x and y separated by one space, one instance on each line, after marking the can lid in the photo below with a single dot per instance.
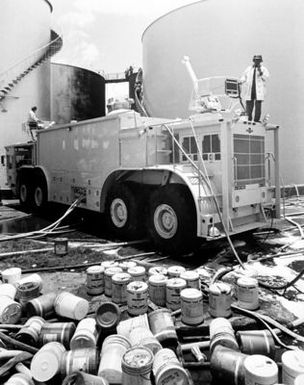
121 277
260 366
191 293
176 282
190 275
107 315
45 365
95 269
12 313
219 288
294 360
138 357
247 282
137 270
157 270
299 379
137 286
113 270
176 269
158 278
81 310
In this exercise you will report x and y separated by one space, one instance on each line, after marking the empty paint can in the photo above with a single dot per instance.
292 365
157 289
95 280
42 306
192 279
192 306
125 327
138 273
11 275
10 310
29 333
157 270
248 293
85 360
27 291
136 366
120 282
125 265
8 290
112 351
175 271
299 380
168 370
221 333
80 378
19 379
162 326
107 317
173 288
143 336
61 246
137 297
71 306
227 366
46 362
260 370
108 274
256 342
31 278
220 300
57 331
86 335
107 264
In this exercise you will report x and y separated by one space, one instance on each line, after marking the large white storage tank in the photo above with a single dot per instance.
24 30
221 37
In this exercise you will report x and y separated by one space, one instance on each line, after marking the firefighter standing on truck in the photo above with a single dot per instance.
255 77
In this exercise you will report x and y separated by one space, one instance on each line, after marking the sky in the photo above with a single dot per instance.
105 35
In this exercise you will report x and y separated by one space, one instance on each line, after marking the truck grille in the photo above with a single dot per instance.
249 160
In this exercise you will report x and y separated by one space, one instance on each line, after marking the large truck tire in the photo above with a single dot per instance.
25 193
122 212
171 221
39 200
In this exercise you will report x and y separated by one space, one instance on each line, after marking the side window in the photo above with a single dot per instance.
189 146
211 145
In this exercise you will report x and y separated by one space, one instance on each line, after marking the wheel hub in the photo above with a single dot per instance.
119 212
165 221
38 196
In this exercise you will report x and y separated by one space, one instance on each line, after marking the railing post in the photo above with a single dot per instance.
275 129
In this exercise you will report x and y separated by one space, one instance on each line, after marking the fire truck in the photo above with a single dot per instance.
178 180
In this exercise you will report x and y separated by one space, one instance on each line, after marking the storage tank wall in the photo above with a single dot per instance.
24 28
221 37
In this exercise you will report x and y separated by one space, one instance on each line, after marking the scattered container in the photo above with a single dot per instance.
292 366
31 278
71 306
143 336
168 370
29 333
157 270
19 379
227 366
108 274
107 264
125 327
27 291
221 333
42 306
95 280
136 366
8 290
125 265
256 342
11 275
85 360
192 279
138 273
248 293
10 310
46 362
107 317
57 331
137 297
192 306
120 282
157 289
173 288
61 246
175 271
86 335
220 300
113 349
260 369
80 378
162 326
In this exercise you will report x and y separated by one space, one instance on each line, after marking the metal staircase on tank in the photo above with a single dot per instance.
13 75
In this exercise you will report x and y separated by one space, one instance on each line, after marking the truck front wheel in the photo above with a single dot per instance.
122 212
172 220
25 193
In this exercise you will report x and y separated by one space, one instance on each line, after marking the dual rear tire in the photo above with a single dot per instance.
33 193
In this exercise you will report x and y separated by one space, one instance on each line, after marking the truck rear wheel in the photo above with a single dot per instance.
122 212
39 196
172 220
25 193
